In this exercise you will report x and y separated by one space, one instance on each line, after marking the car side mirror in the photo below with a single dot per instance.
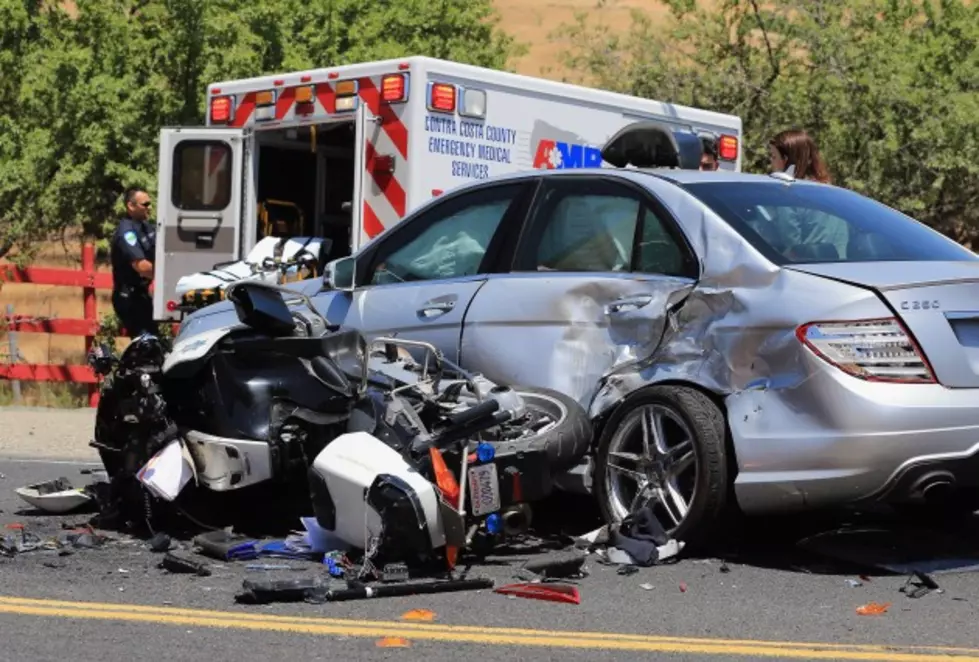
339 274
261 308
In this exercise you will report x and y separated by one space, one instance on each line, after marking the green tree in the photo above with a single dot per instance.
889 88
91 88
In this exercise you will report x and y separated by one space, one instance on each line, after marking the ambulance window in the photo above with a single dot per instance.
201 175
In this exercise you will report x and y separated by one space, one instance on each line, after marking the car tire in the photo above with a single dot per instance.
567 441
690 413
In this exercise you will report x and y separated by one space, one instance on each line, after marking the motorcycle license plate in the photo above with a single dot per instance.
484 489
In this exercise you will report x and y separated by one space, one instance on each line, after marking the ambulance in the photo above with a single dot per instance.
342 153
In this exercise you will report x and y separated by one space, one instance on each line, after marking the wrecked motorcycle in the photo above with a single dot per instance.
401 455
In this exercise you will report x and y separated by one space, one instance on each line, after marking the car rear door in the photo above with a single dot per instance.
587 290
419 278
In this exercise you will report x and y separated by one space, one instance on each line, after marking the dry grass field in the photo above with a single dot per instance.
531 22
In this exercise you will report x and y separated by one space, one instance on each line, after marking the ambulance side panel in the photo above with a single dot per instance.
529 123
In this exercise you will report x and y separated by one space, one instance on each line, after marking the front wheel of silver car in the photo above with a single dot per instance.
665 448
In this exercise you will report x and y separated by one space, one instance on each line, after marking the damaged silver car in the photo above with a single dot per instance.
737 339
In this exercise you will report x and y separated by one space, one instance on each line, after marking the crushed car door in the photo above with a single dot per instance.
420 278
201 182
591 280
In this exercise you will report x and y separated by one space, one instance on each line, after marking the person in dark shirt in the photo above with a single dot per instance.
708 159
133 251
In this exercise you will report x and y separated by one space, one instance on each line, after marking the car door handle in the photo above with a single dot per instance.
628 304
434 309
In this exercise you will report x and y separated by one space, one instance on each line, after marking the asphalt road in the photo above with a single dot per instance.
114 603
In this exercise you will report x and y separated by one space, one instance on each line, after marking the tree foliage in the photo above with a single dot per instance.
889 88
84 92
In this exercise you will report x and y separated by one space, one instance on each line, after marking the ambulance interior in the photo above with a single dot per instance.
305 184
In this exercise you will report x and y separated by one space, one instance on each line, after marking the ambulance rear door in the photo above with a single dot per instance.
201 194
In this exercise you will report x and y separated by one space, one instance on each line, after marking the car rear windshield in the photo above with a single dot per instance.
804 223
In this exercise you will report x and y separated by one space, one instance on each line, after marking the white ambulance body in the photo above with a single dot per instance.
357 147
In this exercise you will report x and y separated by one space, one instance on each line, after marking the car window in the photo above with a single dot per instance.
805 223
582 225
453 240
659 252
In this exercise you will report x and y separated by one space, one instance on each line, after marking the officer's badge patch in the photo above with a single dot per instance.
130 238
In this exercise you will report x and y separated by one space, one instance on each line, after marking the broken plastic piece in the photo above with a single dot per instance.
179 564
683 587
853 583
549 592
873 609
54 496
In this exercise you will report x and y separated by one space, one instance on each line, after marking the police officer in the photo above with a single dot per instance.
133 251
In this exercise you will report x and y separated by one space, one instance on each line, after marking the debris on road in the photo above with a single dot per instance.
550 592
180 564
919 584
873 609
55 496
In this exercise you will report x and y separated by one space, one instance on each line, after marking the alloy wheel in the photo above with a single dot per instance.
652 461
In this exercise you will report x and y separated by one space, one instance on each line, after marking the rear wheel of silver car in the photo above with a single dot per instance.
665 447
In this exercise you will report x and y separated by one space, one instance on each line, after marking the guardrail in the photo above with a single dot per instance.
89 280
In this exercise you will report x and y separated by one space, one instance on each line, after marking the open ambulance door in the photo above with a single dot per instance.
358 237
200 197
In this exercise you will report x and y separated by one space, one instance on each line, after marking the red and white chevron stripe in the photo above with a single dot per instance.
385 196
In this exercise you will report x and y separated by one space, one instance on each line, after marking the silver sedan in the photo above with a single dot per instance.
739 340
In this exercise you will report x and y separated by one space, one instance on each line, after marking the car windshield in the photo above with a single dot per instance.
802 223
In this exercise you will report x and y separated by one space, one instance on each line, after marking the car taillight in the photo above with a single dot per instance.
879 350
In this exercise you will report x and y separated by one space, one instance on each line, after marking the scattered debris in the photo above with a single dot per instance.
55 496
627 570
558 565
873 609
180 564
683 587
549 592
646 587
919 584
853 583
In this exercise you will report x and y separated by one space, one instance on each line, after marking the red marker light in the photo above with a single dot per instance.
727 148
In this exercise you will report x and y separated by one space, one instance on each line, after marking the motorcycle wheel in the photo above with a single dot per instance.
554 423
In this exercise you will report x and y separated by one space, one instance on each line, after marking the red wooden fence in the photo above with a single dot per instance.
89 280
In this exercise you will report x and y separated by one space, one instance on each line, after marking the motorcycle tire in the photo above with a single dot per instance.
564 443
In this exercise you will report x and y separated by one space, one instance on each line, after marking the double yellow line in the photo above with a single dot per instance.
496 636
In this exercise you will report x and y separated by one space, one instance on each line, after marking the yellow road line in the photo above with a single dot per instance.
472 635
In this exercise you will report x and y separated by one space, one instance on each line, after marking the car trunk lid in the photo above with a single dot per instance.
937 301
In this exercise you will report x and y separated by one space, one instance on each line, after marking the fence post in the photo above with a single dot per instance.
14 351
91 309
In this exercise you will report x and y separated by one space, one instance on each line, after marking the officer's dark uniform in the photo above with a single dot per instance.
132 240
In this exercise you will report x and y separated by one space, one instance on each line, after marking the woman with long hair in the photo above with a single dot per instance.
794 147
806 233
